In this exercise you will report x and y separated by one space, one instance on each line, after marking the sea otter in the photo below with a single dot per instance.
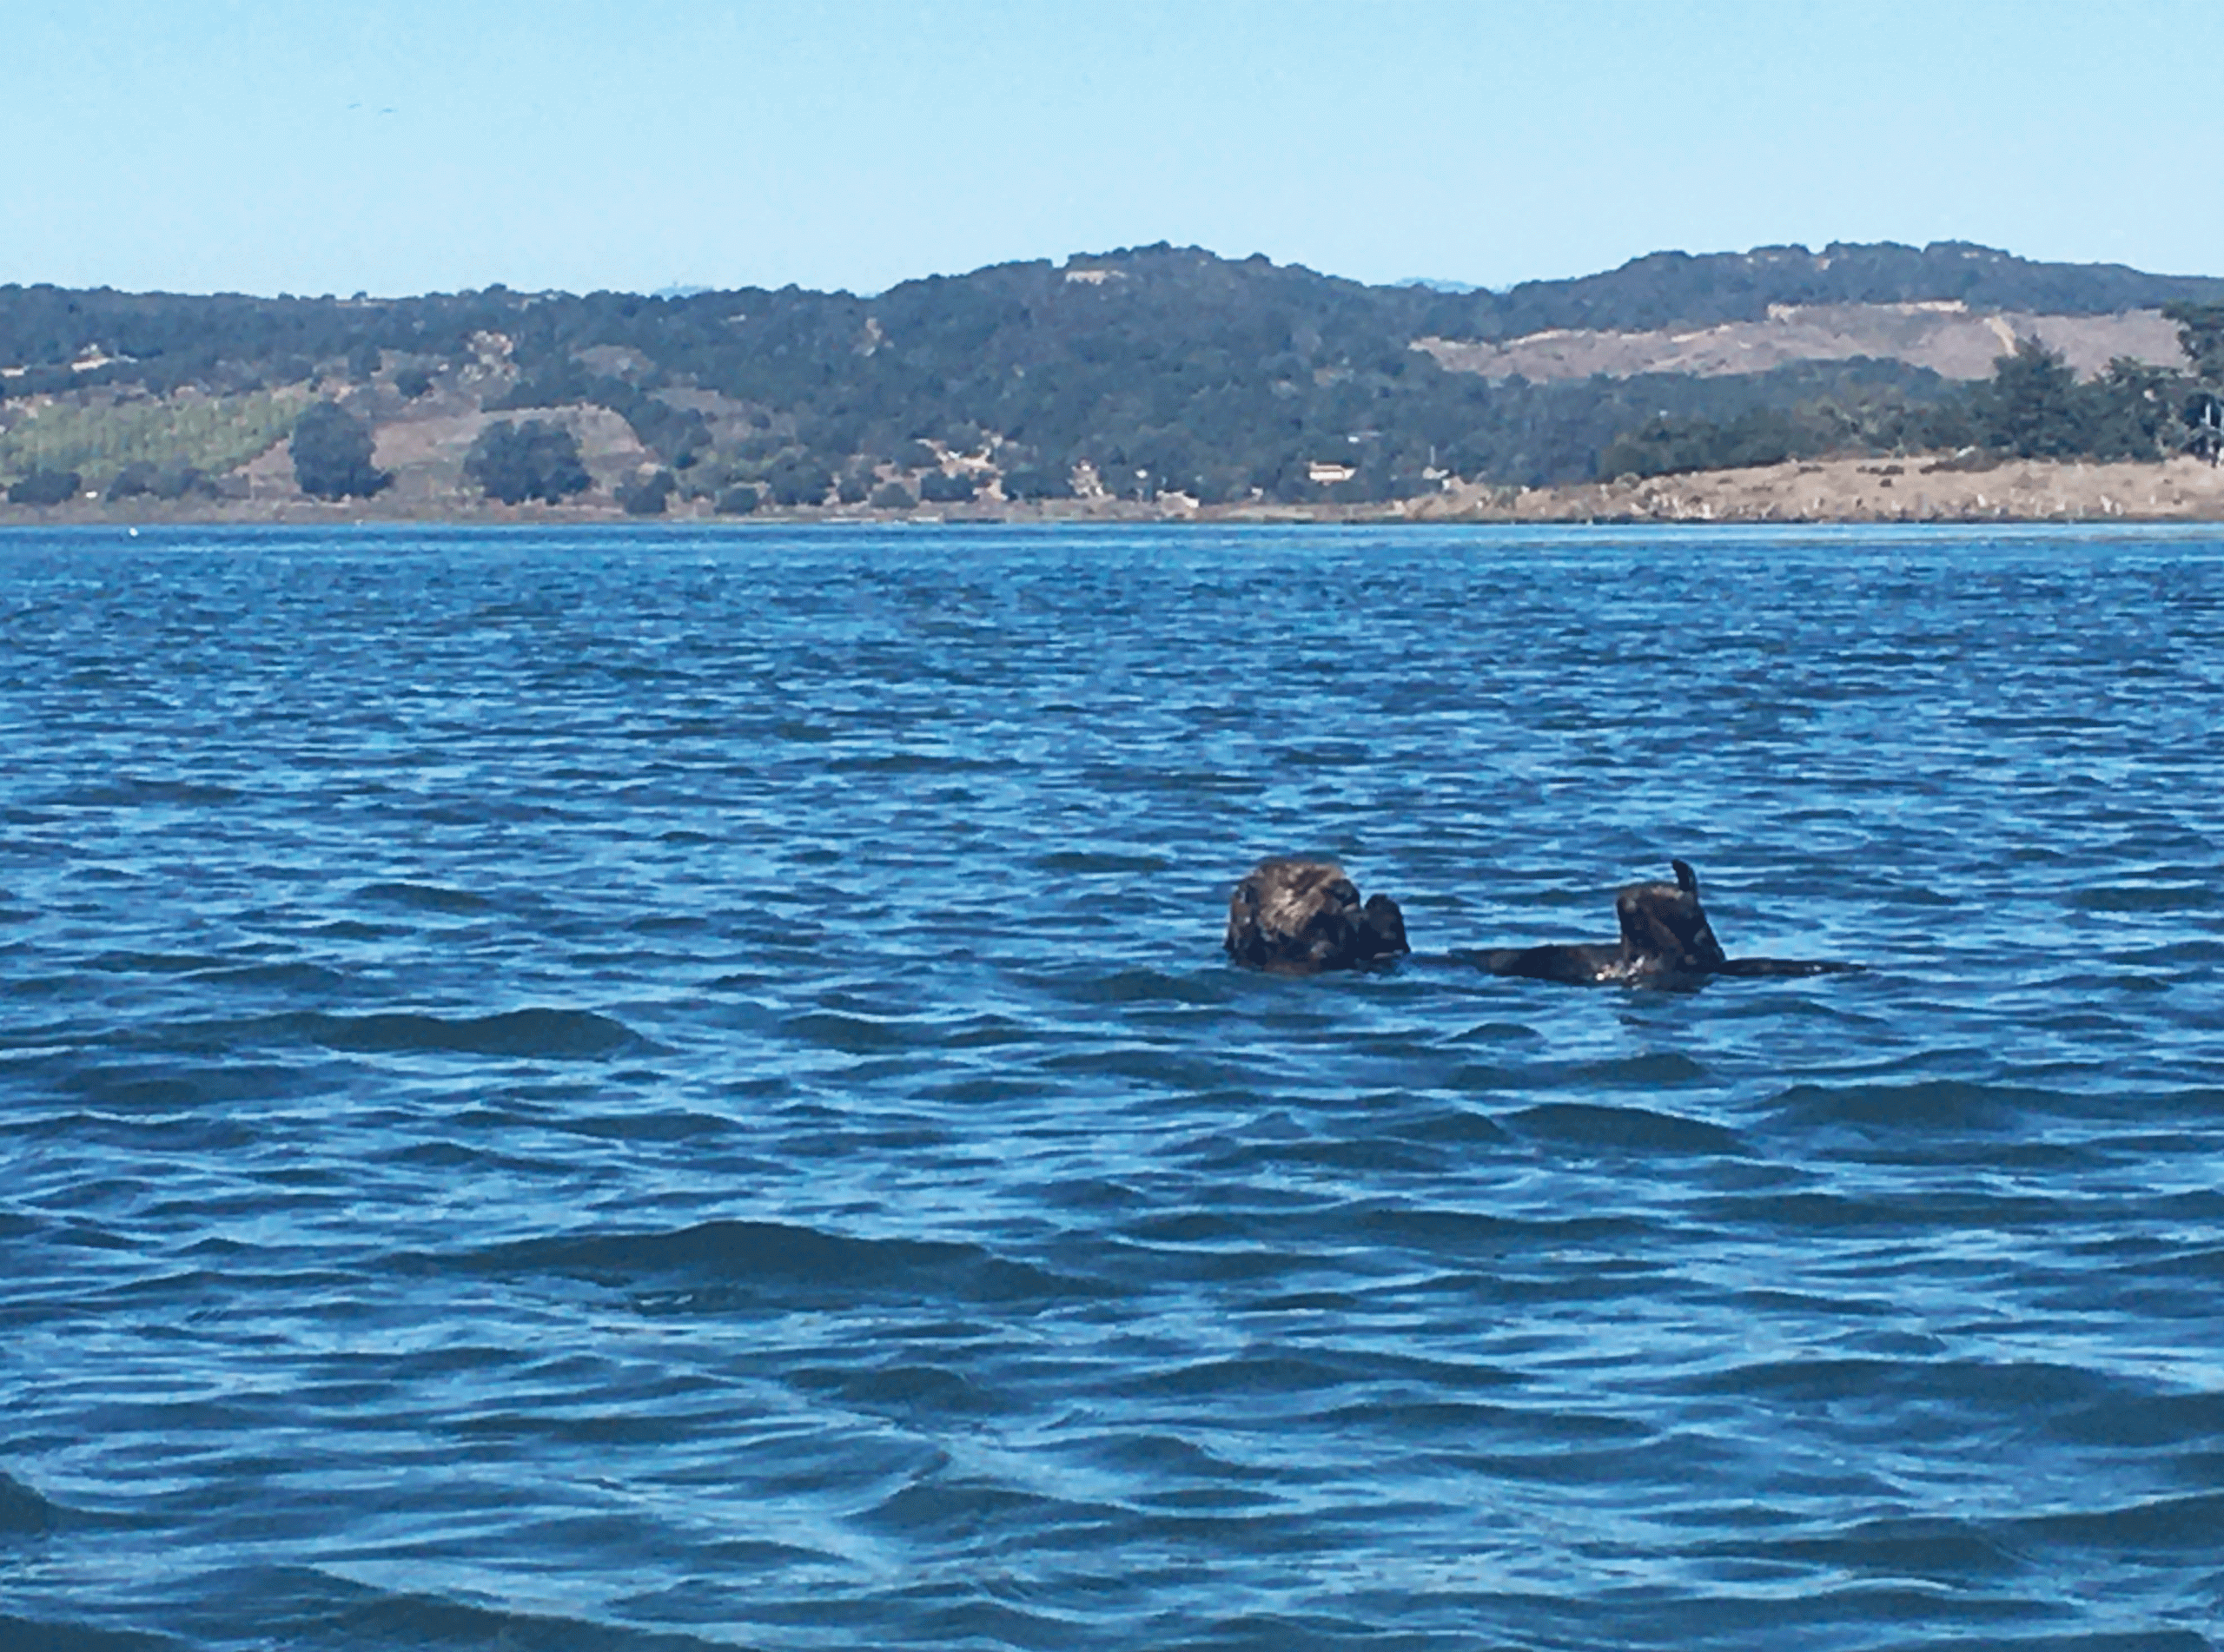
1666 941
1300 916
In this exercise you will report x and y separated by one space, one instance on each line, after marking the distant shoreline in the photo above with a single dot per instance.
1147 384
1919 488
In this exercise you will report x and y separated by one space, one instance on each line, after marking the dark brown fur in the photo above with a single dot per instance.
1666 940
1306 916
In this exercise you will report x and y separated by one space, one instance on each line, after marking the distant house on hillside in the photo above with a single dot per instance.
1329 471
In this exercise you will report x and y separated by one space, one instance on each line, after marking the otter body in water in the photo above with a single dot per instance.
1666 940
1300 916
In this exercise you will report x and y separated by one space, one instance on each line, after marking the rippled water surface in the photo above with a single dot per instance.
673 1089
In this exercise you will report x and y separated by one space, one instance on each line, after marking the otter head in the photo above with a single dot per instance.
1665 931
1304 916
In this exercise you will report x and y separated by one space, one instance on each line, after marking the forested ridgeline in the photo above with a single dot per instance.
1139 373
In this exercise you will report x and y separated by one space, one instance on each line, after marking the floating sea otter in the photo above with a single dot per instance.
1305 916
1666 940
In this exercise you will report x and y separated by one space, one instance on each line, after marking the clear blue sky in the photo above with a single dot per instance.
287 145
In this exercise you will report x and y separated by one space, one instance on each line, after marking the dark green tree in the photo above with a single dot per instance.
1666 443
936 488
2031 408
646 495
799 480
2201 335
331 454
175 481
532 461
139 478
1034 482
133 480
2132 411
45 488
738 500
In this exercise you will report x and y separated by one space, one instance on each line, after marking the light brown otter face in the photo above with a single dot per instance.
1306 916
1664 930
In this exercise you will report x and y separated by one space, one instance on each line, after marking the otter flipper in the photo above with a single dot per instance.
1665 931
1666 940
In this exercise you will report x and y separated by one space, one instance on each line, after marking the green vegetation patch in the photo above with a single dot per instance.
2033 407
210 433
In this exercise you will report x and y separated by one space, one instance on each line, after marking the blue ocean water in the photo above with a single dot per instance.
671 1090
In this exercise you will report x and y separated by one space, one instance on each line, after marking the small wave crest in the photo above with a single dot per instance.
1929 1104
41 1634
306 1605
1141 987
135 791
1626 1130
2187 1524
1932 1550
1983 1389
853 1035
550 1035
23 1511
781 1256
423 897
2146 897
1086 863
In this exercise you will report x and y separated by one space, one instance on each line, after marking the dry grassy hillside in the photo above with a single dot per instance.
1919 489
1945 336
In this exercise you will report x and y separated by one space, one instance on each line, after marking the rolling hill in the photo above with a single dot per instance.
1134 374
